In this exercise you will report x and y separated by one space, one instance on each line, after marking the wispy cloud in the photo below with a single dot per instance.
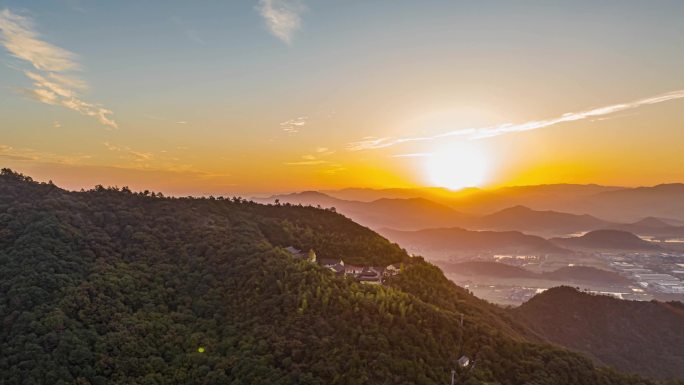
314 159
283 17
329 167
20 38
324 151
137 156
8 152
293 126
308 160
334 169
52 83
33 155
506 128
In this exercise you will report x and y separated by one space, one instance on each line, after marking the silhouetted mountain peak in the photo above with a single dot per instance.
309 194
447 240
607 239
521 210
671 187
612 235
516 209
412 201
651 222
309 197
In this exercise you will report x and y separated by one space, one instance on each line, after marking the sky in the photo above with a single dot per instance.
223 97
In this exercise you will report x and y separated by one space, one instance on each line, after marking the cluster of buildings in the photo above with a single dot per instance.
364 274
664 282
516 260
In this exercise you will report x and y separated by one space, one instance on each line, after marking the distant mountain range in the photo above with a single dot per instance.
607 240
652 222
567 274
408 213
615 204
480 201
651 226
422 213
638 337
549 222
525 219
448 241
369 194
665 201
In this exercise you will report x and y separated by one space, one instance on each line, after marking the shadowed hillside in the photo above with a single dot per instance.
642 337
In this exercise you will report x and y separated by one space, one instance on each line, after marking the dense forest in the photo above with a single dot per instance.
110 286
643 337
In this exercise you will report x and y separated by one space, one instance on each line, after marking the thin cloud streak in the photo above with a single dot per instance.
292 126
370 143
21 40
137 156
51 85
315 160
283 17
32 155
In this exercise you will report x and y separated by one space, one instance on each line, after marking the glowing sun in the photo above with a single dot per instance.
457 166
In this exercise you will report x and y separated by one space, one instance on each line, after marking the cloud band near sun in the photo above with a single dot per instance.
506 128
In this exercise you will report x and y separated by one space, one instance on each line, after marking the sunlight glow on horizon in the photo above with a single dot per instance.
458 166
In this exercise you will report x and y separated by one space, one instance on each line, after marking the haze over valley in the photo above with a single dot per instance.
547 248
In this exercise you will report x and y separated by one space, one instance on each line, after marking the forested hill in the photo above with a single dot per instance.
113 287
643 337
